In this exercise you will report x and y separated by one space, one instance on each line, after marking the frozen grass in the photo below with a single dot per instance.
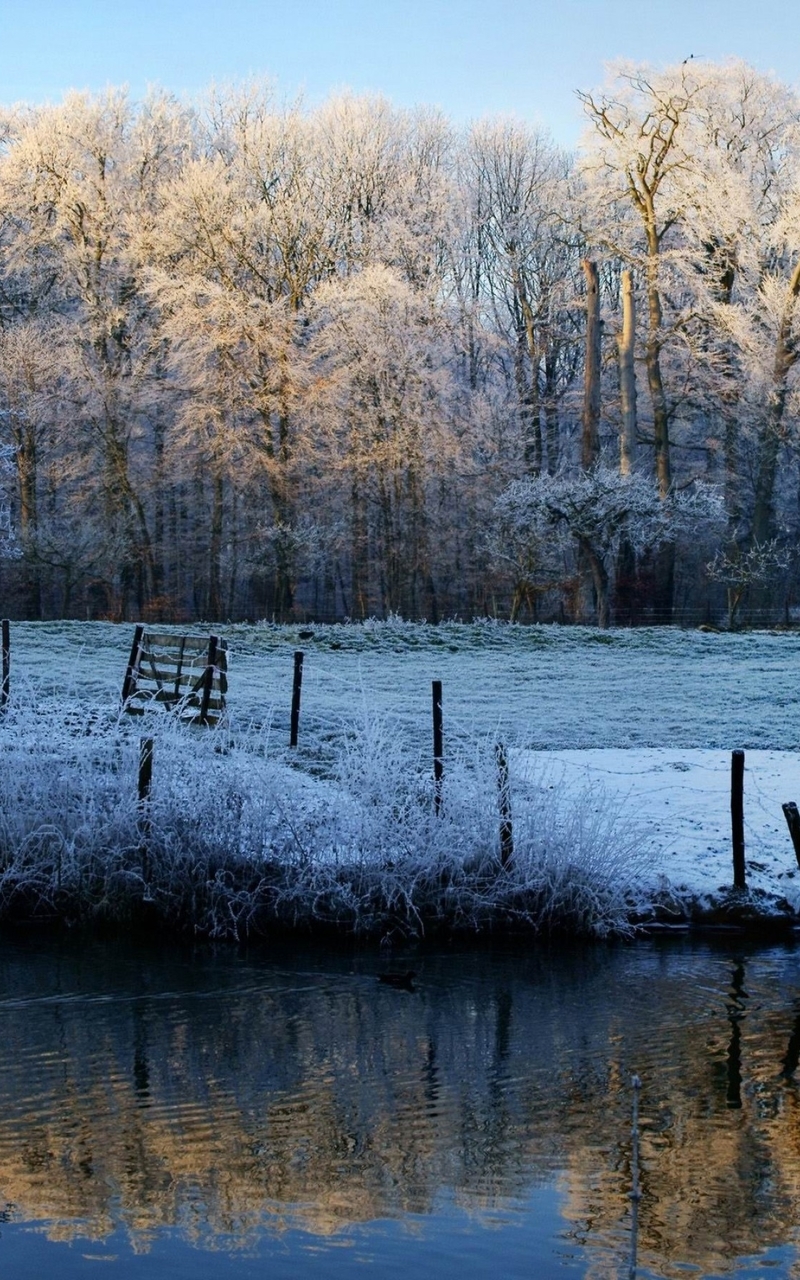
238 840
549 687
244 836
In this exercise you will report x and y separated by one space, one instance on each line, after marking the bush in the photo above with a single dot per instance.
238 839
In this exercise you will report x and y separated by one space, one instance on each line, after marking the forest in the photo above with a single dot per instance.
260 360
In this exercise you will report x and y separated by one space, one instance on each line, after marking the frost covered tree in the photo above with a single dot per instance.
381 406
521 198
740 570
259 359
691 173
593 512
76 189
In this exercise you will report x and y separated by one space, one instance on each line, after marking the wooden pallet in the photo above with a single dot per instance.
186 675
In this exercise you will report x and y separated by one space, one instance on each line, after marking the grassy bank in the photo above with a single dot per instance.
238 839
243 837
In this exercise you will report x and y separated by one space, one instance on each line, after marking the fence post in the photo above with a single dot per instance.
145 769
438 745
208 678
504 797
792 816
6 686
129 683
297 685
737 818
145 784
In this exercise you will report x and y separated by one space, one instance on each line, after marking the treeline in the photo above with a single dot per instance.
263 361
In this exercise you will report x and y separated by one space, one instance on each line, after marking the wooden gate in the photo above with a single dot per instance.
183 674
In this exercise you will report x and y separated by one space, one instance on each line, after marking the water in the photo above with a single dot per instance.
176 1113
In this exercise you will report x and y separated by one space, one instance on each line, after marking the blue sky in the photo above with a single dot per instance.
469 57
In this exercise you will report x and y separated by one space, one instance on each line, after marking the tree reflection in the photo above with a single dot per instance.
235 1099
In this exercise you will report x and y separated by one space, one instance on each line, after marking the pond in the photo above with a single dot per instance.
169 1112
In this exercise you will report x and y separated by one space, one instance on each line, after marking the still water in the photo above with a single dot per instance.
173 1113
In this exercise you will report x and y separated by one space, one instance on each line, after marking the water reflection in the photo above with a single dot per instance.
227 1099
737 1010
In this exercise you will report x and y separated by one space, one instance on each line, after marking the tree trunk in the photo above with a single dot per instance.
551 411
599 581
159 475
215 548
590 435
655 381
530 426
359 567
786 354
25 447
664 561
627 376
527 376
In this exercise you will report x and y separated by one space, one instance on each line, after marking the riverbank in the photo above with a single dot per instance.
242 836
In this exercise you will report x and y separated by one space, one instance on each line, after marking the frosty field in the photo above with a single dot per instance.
619 745
554 687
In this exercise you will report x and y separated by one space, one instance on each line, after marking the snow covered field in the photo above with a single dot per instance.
680 798
635 726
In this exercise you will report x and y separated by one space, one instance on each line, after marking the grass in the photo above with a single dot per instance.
237 839
244 837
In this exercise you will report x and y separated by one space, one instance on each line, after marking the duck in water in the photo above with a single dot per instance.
400 981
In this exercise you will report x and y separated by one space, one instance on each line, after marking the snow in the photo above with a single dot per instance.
680 798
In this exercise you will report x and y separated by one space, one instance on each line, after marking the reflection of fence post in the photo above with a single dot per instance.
145 784
635 1192
297 685
504 798
737 818
438 745
6 686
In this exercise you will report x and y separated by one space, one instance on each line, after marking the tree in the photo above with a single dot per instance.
695 159
597 510
739 570
379 398
519 190
76 183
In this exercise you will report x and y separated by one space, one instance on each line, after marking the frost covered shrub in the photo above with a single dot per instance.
237 838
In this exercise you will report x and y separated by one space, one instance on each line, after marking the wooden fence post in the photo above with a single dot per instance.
129 683
145 769
297 685
5 689
737 818
208 678
504 797
792 816
145 784
438 745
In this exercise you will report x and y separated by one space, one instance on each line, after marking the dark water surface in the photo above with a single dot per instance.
167 1113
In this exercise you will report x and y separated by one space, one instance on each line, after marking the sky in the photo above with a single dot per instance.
470 58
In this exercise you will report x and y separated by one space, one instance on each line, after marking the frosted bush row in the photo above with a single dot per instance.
239 837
